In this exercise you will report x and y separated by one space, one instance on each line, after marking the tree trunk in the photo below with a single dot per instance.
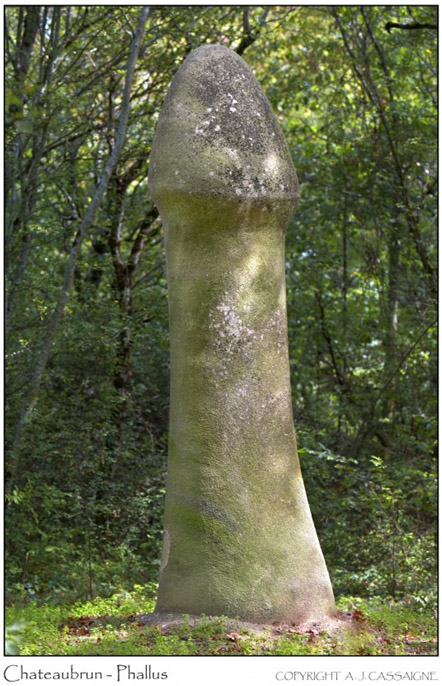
19 204
124 271
392 307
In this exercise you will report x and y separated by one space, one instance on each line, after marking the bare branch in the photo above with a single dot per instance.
249 37
415 25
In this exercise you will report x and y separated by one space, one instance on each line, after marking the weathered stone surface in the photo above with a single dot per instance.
239 538
217 134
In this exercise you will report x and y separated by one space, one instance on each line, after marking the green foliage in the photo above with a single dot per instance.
13 636
376 504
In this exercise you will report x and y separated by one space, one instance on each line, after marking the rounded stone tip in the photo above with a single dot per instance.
217 135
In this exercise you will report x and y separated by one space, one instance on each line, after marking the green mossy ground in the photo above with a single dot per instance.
120 625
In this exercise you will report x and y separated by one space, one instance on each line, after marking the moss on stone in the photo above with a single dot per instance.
240 538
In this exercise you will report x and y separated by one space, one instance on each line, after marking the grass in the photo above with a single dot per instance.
118 626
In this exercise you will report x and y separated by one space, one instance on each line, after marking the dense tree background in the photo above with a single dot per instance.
86 293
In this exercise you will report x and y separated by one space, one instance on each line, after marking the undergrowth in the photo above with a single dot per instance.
117 626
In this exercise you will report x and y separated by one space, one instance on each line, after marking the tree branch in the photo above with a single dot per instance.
146 229
328 339
248 36
416 25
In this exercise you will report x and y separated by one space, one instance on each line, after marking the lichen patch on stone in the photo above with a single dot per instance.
166 550
210 98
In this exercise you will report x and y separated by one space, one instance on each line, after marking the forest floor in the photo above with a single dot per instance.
116 626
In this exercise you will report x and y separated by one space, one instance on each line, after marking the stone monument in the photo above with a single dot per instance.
239 539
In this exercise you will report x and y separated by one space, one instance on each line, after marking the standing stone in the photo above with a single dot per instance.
239 539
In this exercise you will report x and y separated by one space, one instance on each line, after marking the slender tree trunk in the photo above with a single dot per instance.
124 271
26 205
344 290
392 309
73 256
392 302
13 166
344 317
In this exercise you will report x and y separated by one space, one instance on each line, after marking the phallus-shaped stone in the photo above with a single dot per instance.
239 539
